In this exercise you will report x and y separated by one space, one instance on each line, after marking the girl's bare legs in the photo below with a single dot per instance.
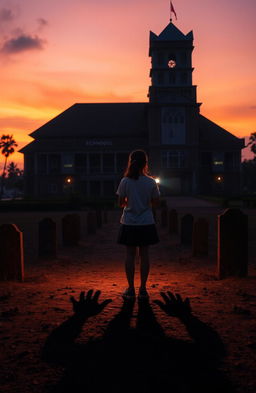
144 266
130 265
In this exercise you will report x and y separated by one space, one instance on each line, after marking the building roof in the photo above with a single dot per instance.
171 33
97 120
211 135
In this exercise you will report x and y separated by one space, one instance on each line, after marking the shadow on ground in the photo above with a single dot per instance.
139 360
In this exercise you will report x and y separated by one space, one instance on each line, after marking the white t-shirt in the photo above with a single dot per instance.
139 194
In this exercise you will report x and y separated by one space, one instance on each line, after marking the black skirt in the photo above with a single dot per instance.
137 235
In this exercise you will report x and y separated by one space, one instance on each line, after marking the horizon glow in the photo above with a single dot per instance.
54 54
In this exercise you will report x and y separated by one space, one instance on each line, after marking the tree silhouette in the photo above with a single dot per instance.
252 143
13 170
7 146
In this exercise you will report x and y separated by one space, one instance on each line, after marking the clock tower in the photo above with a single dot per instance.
171 70
174 111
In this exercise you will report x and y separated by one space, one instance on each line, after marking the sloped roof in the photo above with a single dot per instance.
97 120
211 135
171 33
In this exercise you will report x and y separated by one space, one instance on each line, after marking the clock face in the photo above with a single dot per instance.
171 63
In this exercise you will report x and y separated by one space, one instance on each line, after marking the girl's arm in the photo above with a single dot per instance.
122 201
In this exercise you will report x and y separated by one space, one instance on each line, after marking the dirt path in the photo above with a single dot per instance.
30 310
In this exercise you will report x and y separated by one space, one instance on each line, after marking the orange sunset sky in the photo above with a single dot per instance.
54 53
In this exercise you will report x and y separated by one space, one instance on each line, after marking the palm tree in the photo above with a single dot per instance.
7 145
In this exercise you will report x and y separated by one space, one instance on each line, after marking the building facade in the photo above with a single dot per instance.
85 148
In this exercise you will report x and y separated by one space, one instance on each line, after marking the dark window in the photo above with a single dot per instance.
165 159
231 160
183 58
42 164
108 188
172 78
206 159
176 159
52 188
80 163
160 78
184 78
95 188
173 159
94 163
83 188
121 162
108 163
160 58
54 163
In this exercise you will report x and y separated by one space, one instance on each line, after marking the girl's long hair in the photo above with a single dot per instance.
137 164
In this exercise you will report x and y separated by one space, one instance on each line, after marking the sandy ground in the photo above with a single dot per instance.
31 310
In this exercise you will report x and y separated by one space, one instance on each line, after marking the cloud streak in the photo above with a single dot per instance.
42 22
23 42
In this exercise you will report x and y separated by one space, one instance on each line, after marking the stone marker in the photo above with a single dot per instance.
91 222
164 216
173 221
200 237
71 229
186 229
47 238
11 253
232 244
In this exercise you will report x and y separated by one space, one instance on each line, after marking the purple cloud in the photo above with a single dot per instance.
6 15
22 43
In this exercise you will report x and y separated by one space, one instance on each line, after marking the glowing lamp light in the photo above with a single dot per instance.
68 180
219 179
157 180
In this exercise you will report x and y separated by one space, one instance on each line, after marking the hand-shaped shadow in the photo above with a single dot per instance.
141 359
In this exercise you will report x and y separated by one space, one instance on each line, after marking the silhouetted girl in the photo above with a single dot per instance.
137 192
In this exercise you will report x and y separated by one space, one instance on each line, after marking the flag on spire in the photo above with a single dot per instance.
172 10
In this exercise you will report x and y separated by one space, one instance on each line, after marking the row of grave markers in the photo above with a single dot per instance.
12 250
232 238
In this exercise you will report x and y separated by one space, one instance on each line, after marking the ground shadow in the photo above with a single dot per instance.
138 360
